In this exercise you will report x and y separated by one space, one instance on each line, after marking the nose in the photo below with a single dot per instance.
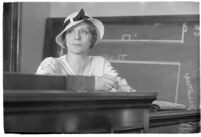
77 35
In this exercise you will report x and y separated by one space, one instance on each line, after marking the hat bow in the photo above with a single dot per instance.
80 16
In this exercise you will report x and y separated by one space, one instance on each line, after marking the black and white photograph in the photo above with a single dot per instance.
101 67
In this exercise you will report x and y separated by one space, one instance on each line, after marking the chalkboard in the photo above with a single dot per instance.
154 53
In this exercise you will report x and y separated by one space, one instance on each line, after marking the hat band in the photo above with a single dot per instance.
80 16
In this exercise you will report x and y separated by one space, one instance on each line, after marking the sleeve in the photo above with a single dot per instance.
47 66
109 69
122 83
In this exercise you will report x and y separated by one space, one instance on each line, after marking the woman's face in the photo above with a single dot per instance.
78 39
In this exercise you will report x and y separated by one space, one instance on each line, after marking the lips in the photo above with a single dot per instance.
77 44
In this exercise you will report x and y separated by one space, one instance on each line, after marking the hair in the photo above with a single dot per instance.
92 29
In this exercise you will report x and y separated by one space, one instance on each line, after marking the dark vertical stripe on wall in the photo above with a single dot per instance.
11 36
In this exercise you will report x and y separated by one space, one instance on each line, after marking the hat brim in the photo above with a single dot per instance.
99 28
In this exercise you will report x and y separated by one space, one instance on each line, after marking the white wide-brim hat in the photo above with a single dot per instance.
78 17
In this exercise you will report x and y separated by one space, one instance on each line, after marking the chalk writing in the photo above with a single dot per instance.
134 37
184 30
121 56
197 31
118 57
126 37
190 91
156 25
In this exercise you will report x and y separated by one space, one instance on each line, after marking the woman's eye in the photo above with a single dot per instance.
85 32
81 31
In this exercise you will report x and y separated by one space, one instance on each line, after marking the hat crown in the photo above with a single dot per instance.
77 16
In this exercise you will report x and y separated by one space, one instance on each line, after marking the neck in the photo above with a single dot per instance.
77 62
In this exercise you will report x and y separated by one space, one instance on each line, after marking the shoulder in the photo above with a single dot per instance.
61 58
48 62
47 66
97 59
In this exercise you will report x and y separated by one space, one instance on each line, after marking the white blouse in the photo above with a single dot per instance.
96 66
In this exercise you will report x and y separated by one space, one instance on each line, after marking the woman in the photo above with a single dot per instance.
81 33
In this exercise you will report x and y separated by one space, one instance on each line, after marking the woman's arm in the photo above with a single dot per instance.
118 84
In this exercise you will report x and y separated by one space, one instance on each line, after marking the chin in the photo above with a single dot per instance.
79 52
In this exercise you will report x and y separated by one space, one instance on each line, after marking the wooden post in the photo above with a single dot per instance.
146 121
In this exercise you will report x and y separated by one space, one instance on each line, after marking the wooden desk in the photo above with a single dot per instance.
60 111
170 121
